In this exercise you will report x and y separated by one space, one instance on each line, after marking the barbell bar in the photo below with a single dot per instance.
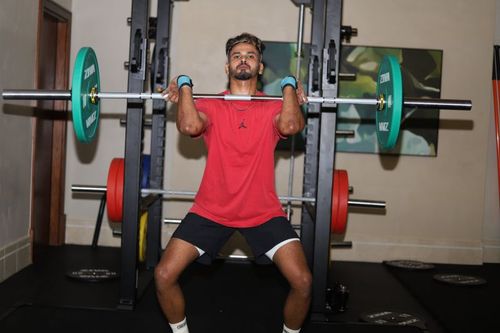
428 103
85 95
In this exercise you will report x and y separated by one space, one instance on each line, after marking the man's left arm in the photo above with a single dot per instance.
290 120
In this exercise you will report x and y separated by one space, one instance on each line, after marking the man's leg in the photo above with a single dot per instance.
177 256
291 261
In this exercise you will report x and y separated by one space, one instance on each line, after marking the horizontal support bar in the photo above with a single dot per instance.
192 194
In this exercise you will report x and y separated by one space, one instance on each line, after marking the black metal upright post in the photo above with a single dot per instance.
133 149
324 133
310 179
159 81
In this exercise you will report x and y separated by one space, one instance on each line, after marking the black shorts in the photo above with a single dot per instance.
211 236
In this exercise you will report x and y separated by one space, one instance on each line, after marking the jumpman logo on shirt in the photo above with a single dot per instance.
242 124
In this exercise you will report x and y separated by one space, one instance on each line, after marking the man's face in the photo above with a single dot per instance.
244 62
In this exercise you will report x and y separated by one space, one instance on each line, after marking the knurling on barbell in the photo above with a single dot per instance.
114 195
85 95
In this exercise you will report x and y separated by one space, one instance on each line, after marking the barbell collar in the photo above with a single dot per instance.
192 194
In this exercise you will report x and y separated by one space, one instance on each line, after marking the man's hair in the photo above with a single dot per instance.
245 38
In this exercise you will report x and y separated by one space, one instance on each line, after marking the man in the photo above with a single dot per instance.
237 191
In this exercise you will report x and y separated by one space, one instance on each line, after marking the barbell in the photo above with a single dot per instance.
115 182
85 95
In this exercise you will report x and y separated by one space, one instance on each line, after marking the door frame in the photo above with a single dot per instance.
57 223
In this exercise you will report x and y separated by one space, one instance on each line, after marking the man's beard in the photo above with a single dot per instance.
243 75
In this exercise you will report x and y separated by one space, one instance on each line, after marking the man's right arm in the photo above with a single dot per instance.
189 120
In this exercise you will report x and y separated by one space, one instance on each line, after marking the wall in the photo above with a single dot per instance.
18 28
437 207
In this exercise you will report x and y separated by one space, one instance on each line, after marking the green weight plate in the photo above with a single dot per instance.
85 78
390 86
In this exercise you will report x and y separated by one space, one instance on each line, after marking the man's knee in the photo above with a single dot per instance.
177 256
302 282
164 275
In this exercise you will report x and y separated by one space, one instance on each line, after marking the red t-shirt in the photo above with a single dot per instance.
238 184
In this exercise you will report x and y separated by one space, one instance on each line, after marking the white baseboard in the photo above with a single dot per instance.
14 257
491 253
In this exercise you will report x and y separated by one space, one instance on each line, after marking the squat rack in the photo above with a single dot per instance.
319 161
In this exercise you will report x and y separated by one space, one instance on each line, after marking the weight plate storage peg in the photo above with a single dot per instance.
390 108
85 110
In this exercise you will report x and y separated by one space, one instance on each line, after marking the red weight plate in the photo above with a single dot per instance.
114 192
340 201
344 201
119 186
110 190
335 202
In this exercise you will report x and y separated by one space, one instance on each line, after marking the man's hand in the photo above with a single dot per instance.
297 85
301 94
171 94
290 120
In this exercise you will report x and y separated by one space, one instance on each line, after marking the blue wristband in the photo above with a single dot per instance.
288 81
184 80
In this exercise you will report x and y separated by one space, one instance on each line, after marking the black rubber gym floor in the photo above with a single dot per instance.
239 297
